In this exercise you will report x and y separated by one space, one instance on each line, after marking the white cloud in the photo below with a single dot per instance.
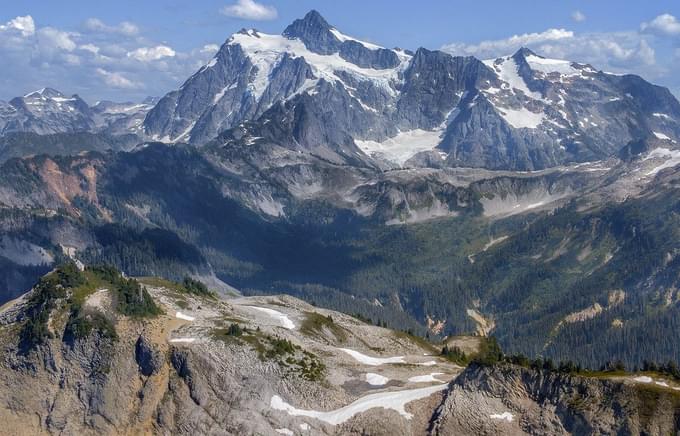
250 10
148 54
124 28
99 61
665 24
210 48
494 48
620 52
25 25
578 16
55 39
116 80
90 47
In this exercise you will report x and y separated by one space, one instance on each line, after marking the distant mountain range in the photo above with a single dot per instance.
48 111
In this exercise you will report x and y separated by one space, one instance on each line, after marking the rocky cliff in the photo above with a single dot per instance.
508 399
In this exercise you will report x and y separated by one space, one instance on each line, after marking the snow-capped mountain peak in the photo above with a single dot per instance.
350 101
254 70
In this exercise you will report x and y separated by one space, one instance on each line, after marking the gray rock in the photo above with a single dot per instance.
148 357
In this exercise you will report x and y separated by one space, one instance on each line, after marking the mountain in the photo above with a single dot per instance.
48 111
356 103
121 118
329 187
507 399
555 263
90 351
428 108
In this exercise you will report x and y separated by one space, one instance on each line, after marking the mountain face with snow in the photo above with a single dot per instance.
429 108
48 111
45 111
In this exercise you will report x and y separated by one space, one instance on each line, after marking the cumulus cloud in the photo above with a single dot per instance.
124 28
90 48
578 16
148 54
210 48
621 52
250 10
52 39
494 48
116 80
25 25
665 24
98 61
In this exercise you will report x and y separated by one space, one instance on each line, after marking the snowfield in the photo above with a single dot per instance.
266 51
521 118
372 361
549 66
396 400
426 378
376 379
507 70
281 318
672 159
402 147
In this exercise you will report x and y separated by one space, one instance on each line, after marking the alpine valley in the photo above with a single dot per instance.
309 214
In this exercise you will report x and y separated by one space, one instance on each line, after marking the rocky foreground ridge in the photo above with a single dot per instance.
92 352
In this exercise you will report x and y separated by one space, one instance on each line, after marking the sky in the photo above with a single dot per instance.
126 50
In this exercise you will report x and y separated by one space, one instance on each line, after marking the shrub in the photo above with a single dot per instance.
195 287
134 300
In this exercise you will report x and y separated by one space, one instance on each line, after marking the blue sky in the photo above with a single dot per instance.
126 50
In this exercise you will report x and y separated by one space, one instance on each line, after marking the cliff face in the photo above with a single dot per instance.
288 368
508 399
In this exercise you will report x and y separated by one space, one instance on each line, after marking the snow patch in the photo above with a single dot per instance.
281 318
428 363
180 315
426 378
403 146
395 400
182 340
521 118
662 383
661 136
643 379
376 379
672 158
507 416
285 431
224 90
342 37
507 70
548 66
372 361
